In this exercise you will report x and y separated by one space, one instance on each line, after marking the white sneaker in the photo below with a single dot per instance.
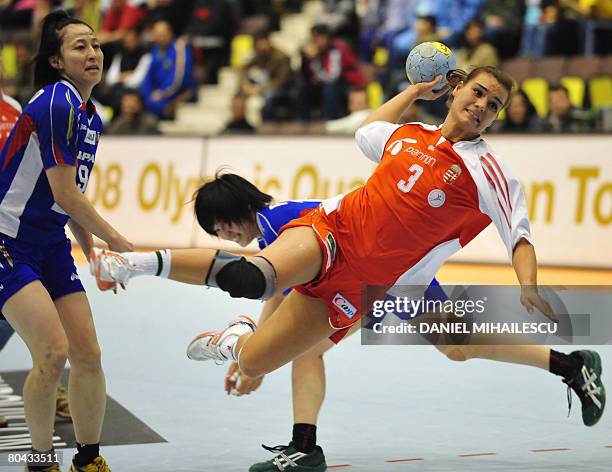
219 345
109 268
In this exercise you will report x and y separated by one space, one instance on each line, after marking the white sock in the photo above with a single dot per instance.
156 263
230 338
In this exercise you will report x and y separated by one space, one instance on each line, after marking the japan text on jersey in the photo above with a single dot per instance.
56 128
273 217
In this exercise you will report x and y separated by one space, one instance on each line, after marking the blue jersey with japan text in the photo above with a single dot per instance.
273 217
55 128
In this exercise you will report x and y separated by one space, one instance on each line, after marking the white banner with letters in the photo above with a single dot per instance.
143 186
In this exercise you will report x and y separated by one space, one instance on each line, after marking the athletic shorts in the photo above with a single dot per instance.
21 264
337 285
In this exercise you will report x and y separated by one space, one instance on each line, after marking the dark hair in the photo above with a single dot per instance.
50 46
134 92
557 87
531 110
433 22
228 198
263 33
322 29
456 76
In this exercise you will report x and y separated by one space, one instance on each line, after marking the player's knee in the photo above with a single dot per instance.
86 357
51 360
242 278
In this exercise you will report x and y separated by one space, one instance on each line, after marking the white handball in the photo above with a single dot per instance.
427 60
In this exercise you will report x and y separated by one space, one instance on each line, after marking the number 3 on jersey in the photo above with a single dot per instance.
406 186
82 177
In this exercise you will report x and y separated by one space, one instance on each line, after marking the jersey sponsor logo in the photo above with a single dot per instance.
74 276
436 198
91 137
396 146
452 174
344 305
431 148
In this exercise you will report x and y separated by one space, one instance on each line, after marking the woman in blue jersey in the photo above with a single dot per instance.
46 165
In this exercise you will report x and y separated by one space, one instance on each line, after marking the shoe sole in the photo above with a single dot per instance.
94 264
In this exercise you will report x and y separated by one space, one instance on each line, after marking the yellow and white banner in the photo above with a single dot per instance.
144 186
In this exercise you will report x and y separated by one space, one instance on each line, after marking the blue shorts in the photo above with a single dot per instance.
21 264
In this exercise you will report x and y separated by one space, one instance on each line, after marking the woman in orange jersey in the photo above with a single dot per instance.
434 190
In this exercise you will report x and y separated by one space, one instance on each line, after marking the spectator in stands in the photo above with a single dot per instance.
424 29
595 26
210 30
133 119
546 31
341 19
10 109
329 67
122 16
127 71
451 17
563 117
359 109
169 80
16 14
270 76
474 52
238 123
521 116
502 20
381 22
177 12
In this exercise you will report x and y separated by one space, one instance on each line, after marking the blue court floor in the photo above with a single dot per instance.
388 408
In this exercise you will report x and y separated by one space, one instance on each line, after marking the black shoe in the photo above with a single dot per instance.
588 387
290 459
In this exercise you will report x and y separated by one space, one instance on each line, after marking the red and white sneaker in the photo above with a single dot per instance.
109 268
219 345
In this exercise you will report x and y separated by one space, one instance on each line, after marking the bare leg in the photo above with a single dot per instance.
308 381
87 386
531 355
295 255
32 313
190 266
299 323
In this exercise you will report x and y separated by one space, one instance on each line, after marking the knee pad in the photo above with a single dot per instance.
242 278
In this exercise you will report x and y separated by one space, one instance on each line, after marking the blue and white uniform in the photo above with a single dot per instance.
56 128
273 217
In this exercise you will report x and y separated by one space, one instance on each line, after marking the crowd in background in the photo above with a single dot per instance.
157 53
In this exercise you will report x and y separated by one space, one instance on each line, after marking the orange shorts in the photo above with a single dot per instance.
337 285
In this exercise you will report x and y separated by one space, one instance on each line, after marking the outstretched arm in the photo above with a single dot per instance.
526 268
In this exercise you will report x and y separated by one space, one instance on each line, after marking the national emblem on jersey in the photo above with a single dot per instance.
452 174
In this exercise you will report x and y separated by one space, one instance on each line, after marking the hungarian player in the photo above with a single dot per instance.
434 190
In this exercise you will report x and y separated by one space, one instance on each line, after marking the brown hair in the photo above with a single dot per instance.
456 76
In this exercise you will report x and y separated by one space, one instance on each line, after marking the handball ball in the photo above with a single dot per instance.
427 60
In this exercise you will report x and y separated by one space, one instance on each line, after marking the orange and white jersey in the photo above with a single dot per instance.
9 113
427 199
